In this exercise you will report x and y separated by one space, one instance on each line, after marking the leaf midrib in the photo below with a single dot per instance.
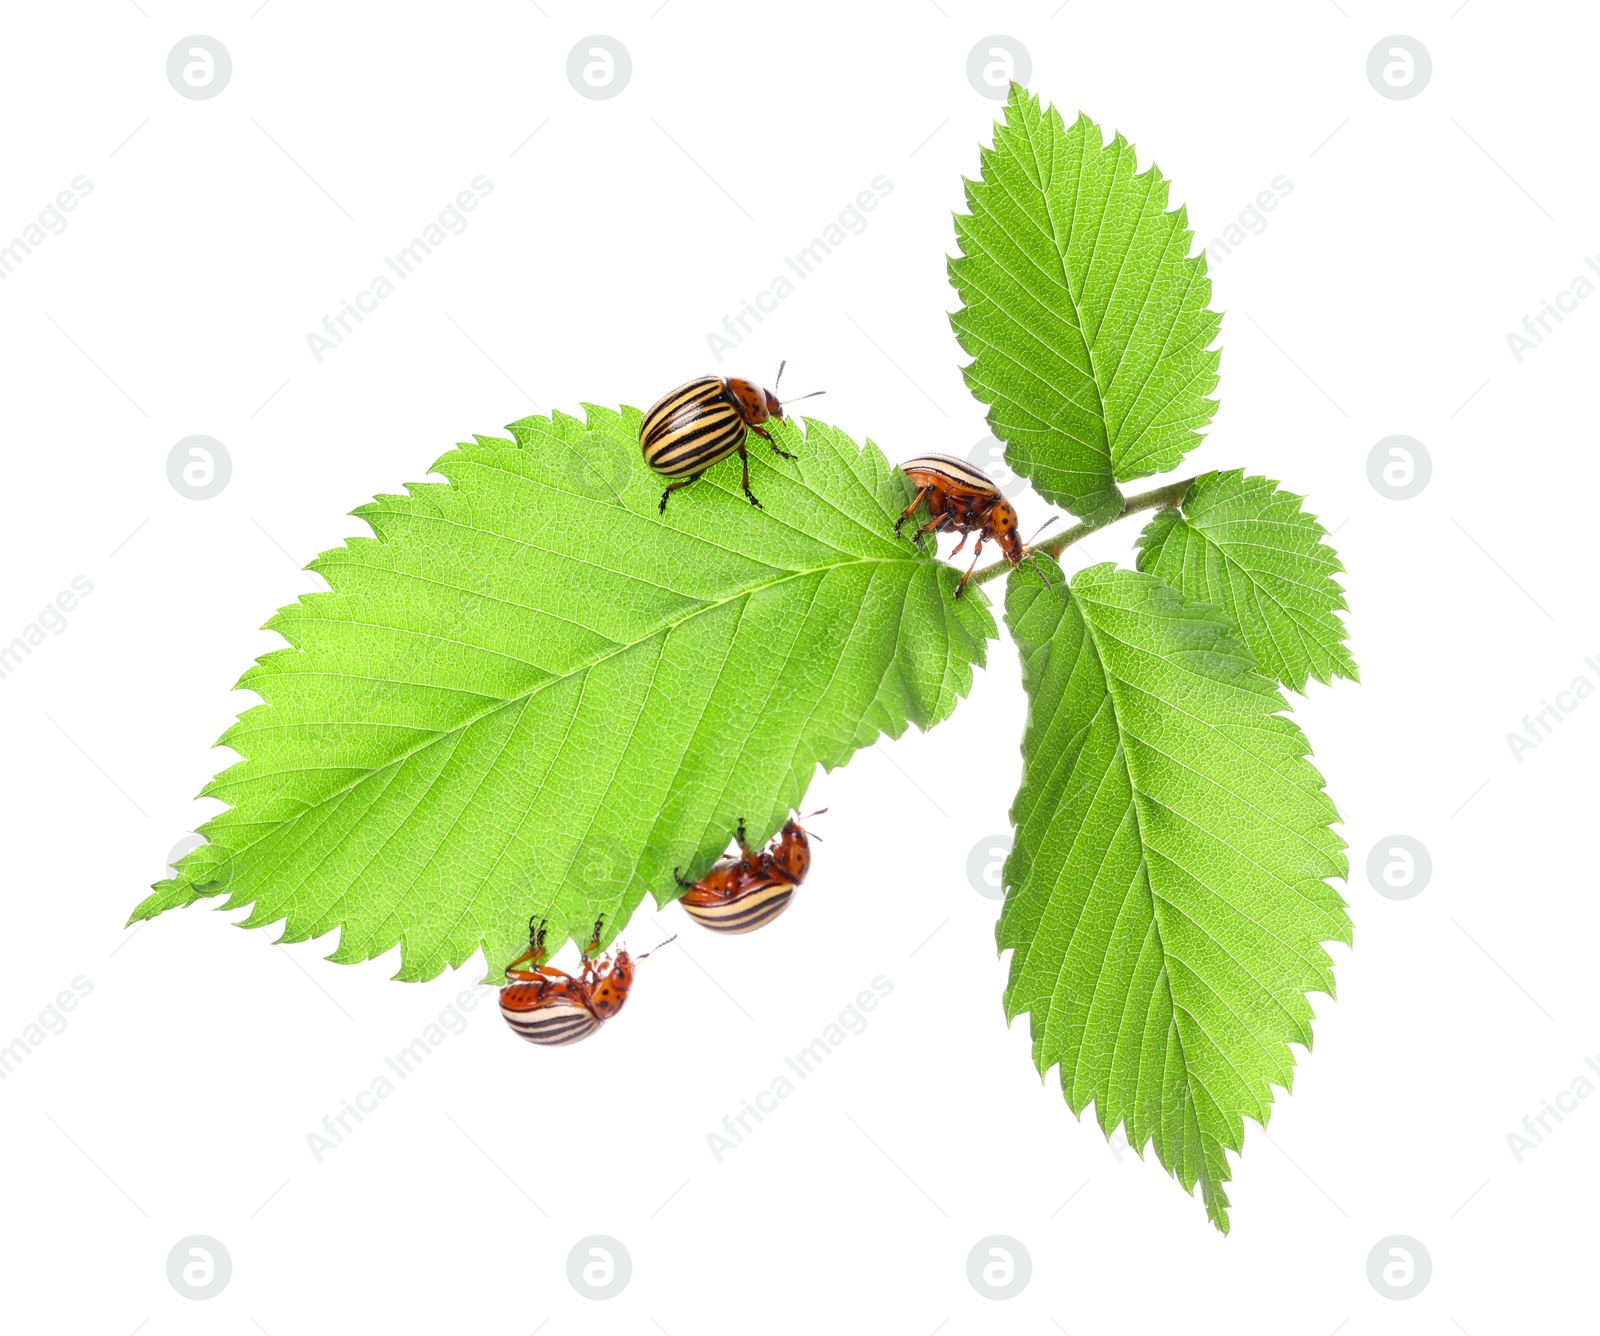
1305 621
1066 274
585 666
1189 1077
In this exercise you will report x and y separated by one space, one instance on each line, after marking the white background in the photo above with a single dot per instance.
180 1096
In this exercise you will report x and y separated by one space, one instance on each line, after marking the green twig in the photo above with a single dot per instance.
1170 495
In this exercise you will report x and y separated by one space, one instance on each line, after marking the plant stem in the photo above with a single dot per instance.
1170 495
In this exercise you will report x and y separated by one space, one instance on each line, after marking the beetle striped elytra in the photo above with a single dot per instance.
705 420
964 499
552 1008
746 891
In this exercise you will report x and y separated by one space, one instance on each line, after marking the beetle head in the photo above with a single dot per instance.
1002 522
755 404
758 404
793 855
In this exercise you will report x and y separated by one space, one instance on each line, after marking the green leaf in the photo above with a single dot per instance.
1083 310
1166 896
529 693
1247 547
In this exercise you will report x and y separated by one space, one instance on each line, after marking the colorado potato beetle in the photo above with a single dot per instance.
551 1007
705 420
746 891
965 500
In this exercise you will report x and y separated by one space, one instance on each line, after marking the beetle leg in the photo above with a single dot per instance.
906 513
662 509
686 885
957 548
971 568
535 951
544 975
744 459
937 524
767 437
744 842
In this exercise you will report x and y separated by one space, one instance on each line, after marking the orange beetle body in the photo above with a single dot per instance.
552 1008
964 500
706 420
746 891
755 404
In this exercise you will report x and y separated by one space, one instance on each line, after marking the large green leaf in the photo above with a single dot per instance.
1246 546
529 693
1166 896
1083 310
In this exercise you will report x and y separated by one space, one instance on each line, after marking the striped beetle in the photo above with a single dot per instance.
549 1006
964 499
743 892
704 421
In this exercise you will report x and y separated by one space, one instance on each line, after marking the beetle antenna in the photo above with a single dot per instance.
658 946
1041 529
812 395
1034 559
779 376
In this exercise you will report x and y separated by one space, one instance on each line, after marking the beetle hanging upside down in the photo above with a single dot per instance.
704 421
549 1006
964 500
746 891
